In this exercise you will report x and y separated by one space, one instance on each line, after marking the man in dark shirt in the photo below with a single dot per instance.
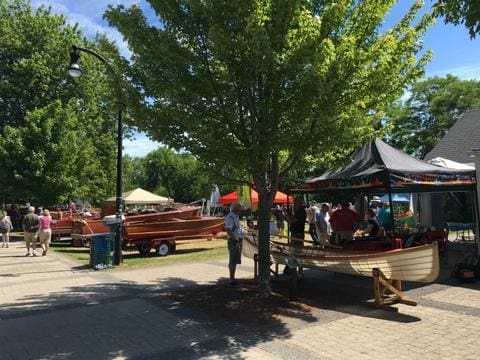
30 229
297 223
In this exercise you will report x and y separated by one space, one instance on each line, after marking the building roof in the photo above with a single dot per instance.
460 139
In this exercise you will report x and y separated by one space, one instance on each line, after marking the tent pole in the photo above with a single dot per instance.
477 225
390 200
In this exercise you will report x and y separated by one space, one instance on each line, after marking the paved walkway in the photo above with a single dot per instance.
52 309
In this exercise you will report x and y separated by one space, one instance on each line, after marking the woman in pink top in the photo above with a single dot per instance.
45 233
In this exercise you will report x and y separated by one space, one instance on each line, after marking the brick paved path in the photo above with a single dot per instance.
52 309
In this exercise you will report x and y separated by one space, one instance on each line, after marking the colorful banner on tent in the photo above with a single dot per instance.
360 183
431 179
244 197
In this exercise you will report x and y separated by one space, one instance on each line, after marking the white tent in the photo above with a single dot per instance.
439 161
139 196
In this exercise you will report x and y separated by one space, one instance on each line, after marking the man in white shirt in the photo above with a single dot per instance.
323 224
235 237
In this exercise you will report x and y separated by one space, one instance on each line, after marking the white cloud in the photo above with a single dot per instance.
139 146
88 15
464 72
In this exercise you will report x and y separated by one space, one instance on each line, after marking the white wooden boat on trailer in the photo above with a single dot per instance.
388 268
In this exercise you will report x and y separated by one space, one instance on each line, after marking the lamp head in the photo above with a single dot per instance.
74 69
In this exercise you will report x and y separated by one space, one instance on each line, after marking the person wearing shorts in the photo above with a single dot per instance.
45 231
235 237
30 228
5 228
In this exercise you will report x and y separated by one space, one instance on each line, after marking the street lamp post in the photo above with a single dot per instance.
75 70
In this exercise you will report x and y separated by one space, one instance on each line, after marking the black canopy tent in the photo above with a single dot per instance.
377 167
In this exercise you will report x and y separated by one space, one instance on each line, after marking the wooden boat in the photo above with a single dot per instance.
173 228
86 228
419 263
184 212
62 227
62 223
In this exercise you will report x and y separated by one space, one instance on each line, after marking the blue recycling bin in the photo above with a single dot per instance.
272 227
101 249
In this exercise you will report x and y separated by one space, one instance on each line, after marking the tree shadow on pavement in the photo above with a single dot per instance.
163 319
340 293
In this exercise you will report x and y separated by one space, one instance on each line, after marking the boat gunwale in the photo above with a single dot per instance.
433 246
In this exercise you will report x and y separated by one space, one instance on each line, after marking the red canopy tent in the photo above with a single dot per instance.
280 198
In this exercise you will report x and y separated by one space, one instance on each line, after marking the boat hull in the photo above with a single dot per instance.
419 263
62 227
186 212
173 228
86 228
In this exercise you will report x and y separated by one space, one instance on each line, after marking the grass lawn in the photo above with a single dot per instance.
187 251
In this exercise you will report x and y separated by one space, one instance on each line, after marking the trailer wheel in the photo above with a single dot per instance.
163 249
144 249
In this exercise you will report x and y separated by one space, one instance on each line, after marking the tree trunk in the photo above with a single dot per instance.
264 211
266 180
263 246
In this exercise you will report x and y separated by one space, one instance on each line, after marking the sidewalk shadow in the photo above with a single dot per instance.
341 293
111 310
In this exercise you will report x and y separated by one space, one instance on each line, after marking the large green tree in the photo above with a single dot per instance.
57 134
165 172
179 176
432 107
465 12
252 87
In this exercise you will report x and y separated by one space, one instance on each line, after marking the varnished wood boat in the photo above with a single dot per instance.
173 228
419 263
86 228
184 212
62 227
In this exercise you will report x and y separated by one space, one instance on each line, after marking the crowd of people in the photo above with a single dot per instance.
35 223
37 226
335 225
326 225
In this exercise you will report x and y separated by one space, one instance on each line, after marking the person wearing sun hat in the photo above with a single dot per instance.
376 204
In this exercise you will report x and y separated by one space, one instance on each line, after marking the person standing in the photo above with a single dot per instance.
30 228
235 237
15 216
385 217
297 223
280 219
45 231
344 222
312 213
323 225
5 227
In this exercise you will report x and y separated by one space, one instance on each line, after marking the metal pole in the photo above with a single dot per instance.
117 256
74 58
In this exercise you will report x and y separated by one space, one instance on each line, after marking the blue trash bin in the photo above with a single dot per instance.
272 227
101 249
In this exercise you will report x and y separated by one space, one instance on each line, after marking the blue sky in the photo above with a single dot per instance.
454 52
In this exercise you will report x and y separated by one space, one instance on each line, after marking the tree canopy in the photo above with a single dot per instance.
252 87
167 173
432 107
57 137
465 12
